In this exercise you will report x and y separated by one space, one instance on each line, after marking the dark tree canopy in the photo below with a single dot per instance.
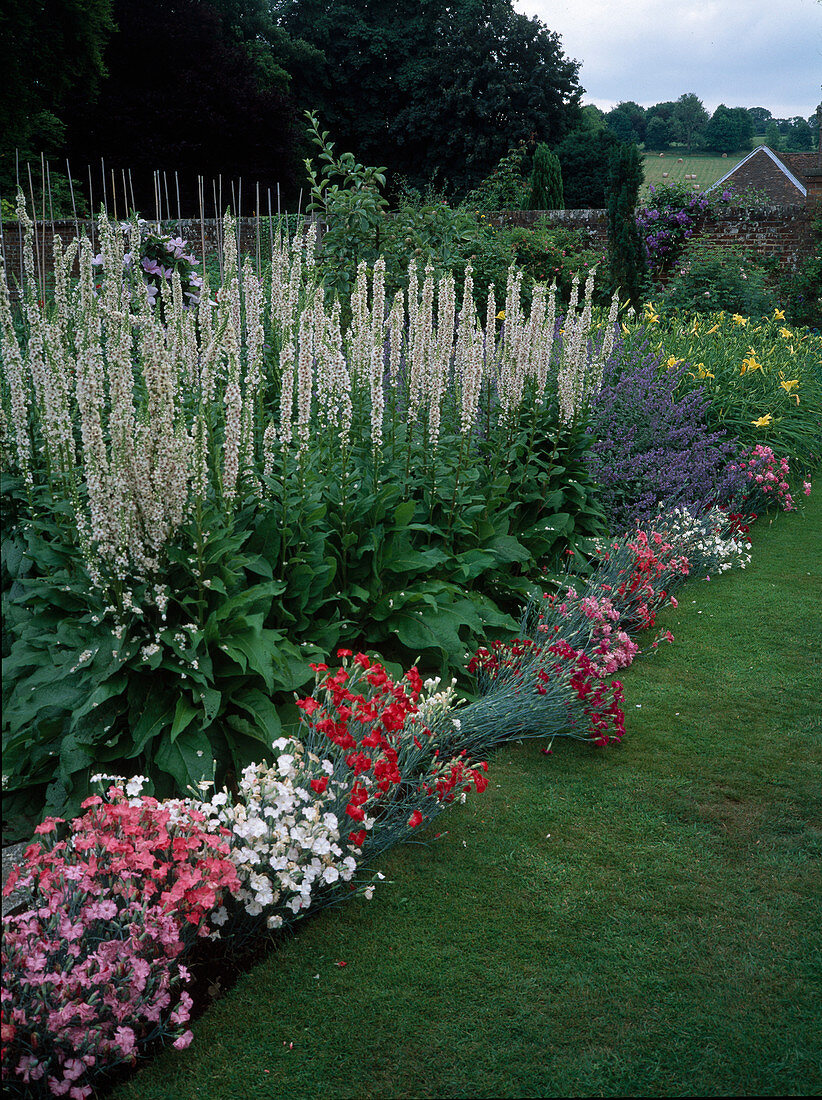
584 157
627 121
183 94
729 129
545 192
690 119
51 54
659 134
436 86
626 256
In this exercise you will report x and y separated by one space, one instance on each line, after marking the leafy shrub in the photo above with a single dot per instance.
652 443
800 289
546 181
625 252
548 254
712 277
506 187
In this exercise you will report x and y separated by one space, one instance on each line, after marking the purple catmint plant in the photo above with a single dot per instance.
653 447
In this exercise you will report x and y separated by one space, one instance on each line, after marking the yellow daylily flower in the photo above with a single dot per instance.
501 315
711 330
651 315
785 333
701 372
788 384
749 363
763 421
779 315
738 319
672 362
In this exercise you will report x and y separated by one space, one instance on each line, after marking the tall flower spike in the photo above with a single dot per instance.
286 395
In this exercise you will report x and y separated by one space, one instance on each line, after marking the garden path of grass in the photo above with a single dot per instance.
635 921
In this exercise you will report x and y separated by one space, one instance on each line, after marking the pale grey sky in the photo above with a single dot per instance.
743 53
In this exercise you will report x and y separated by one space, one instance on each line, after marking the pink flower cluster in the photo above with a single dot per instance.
610 648
90 970
768 480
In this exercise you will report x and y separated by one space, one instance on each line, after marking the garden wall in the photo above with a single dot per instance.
781 231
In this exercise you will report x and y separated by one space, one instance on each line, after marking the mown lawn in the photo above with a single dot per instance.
638 921
707 168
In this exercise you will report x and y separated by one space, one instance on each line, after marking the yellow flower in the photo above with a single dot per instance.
790 384
750 364
672 362
651 315
738 319
763 421
779 315
702 373
501 315
625 330
710 330
785 333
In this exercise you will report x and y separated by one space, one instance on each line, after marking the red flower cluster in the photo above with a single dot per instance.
375 721
594 705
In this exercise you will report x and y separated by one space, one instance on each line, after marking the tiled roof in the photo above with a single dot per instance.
766 171
799 163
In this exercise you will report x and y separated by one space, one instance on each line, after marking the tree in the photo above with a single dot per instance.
184 94
773 138
546 181
800 136
729 129
626 255
584 158
658 134
445 86
690 119
51 55
760 117
591 118
627 121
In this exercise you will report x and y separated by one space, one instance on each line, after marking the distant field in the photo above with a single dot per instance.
707 169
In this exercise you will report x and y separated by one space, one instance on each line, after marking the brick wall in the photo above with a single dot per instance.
783 231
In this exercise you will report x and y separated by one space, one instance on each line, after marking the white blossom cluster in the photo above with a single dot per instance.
705 540
287 840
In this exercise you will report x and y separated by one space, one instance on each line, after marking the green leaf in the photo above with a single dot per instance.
404 513
508 549
157 715
414 561
184 715
187 760
262 710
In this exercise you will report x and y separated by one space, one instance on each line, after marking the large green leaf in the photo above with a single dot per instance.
262 710
157 714
188 759
184 715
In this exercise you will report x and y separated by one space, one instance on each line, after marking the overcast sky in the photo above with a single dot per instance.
743 53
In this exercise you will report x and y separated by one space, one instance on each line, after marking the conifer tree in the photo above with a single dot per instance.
546 181
625 252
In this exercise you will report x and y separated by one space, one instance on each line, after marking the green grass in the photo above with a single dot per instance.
677 163
639 921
